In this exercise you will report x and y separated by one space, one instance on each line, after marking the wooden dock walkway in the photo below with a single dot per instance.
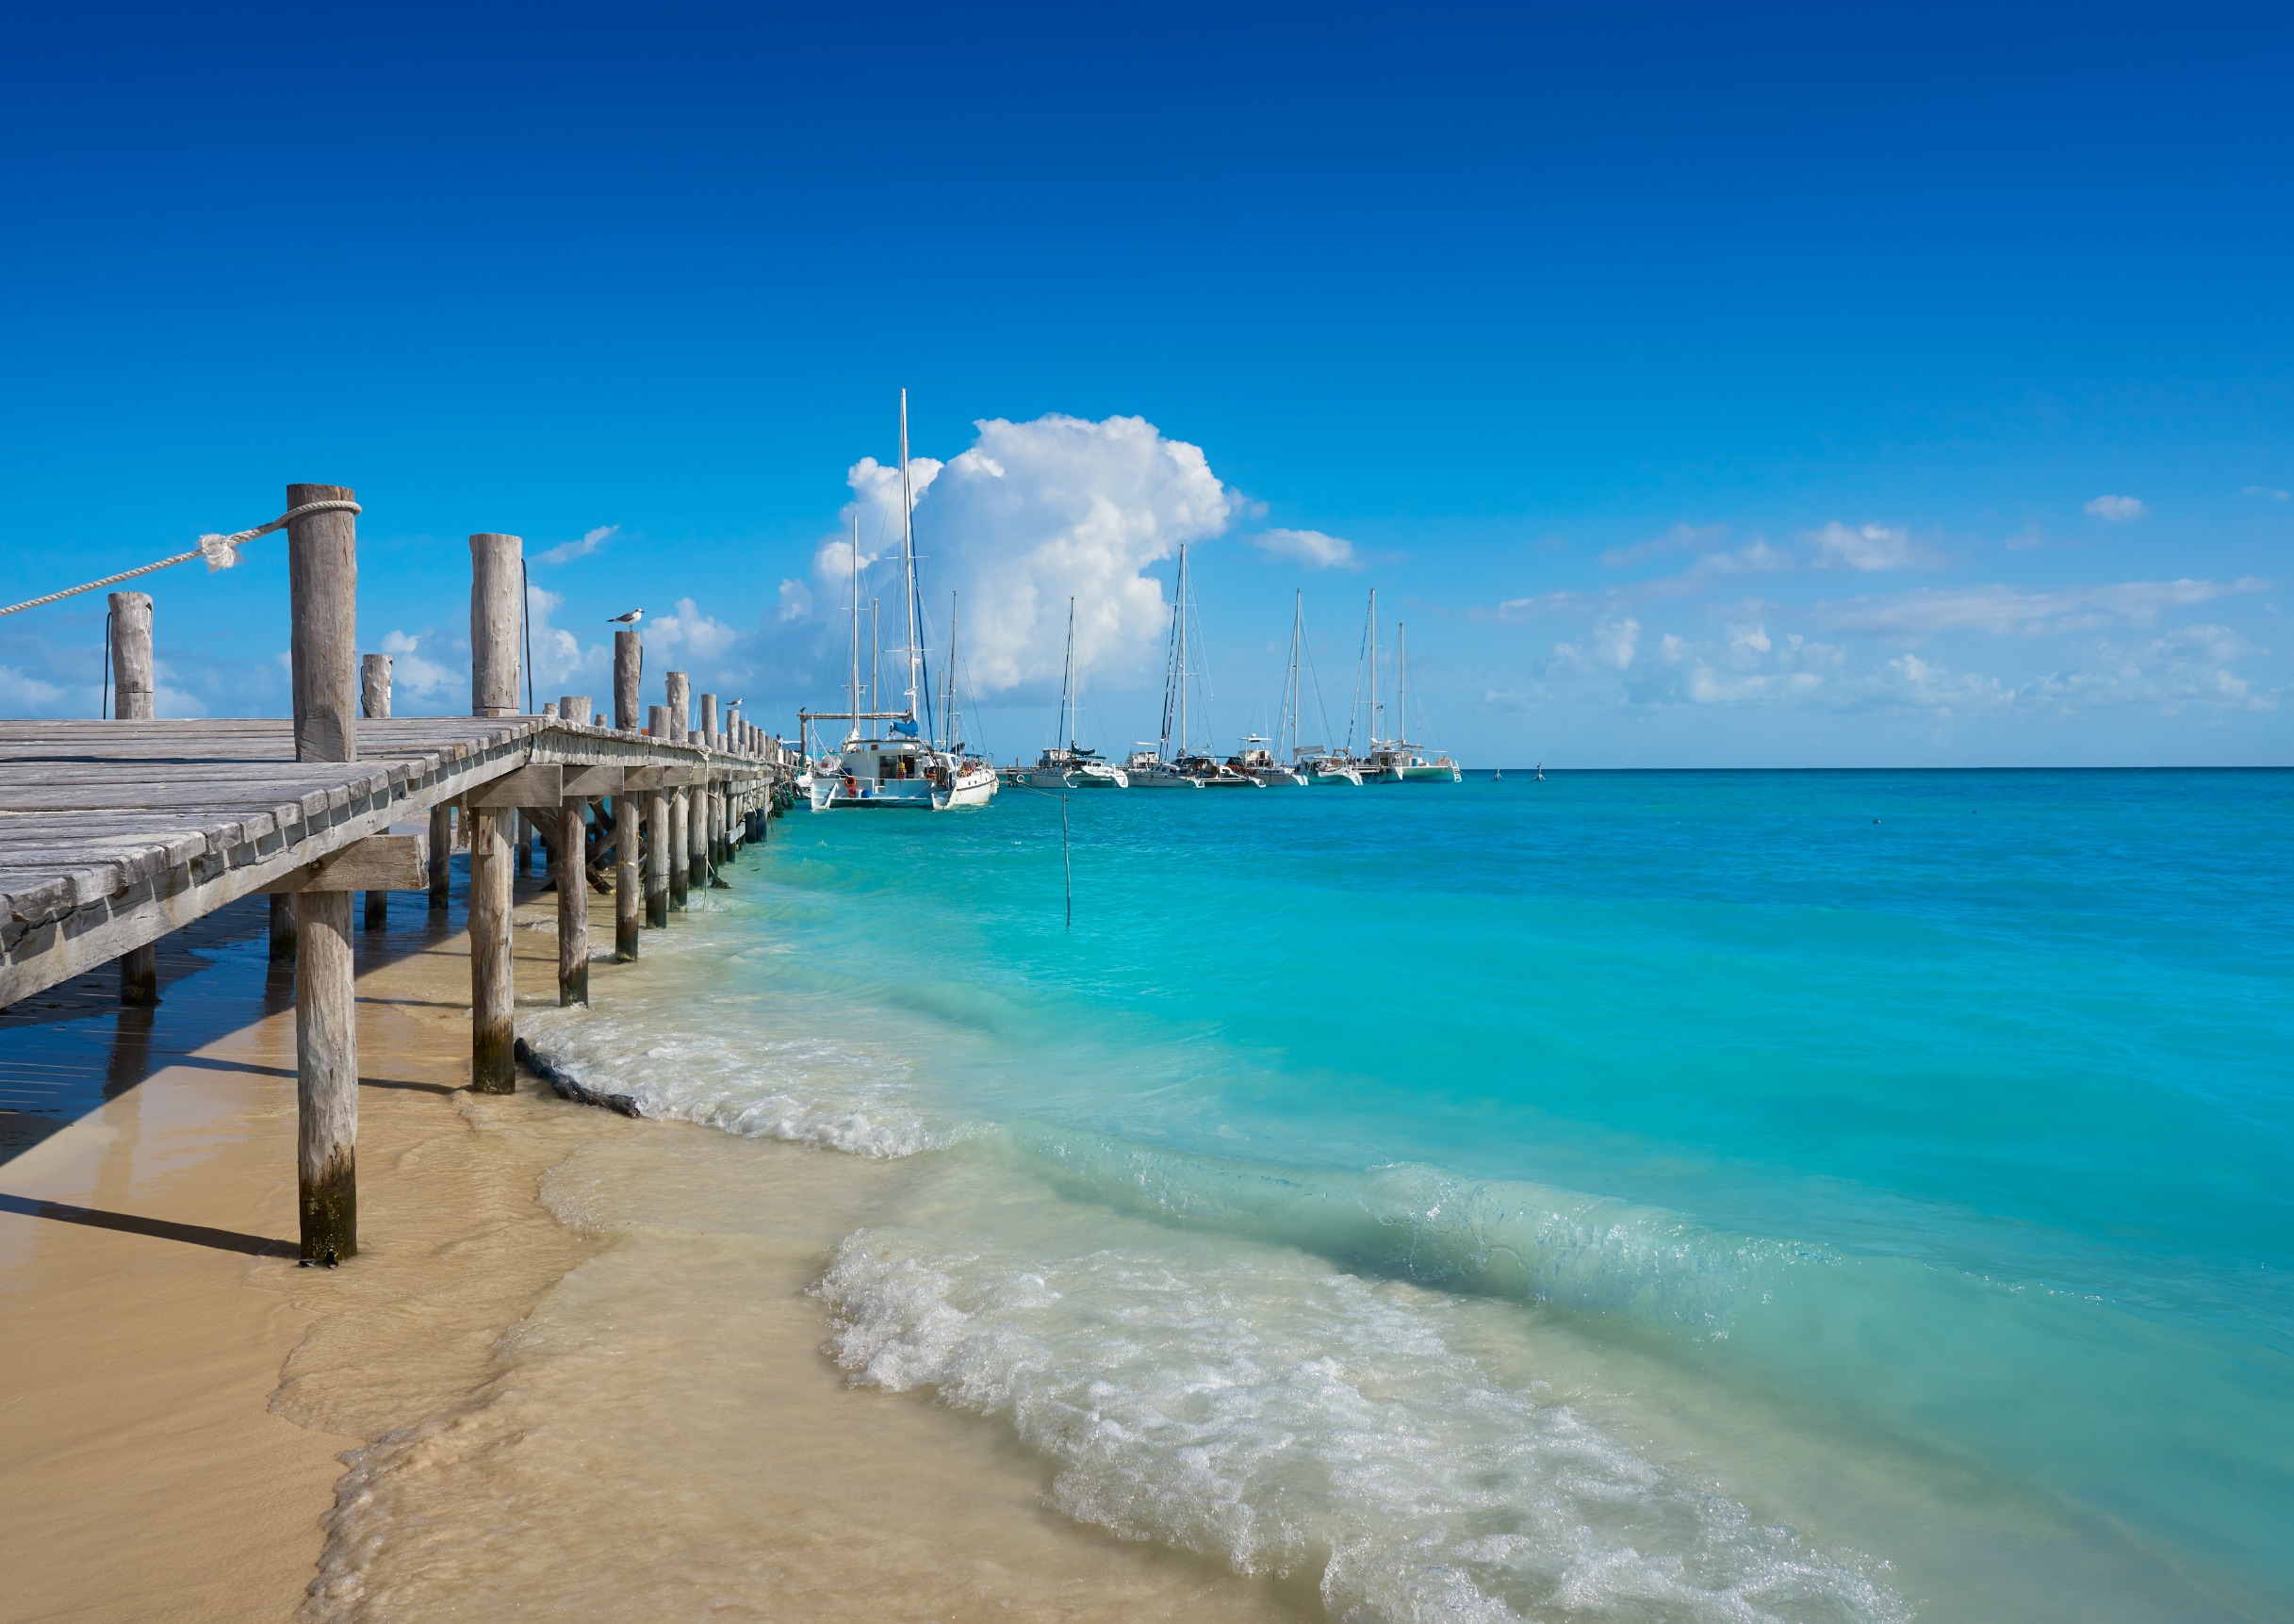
115 832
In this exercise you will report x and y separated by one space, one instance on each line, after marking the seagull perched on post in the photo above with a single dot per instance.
631 618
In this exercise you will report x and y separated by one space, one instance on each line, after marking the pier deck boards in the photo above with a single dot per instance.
114 833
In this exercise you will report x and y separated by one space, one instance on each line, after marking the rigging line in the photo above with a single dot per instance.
525 621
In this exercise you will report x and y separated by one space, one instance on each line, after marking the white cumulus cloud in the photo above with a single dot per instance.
1864 546
2117 509
1033 514
1311 548
414 668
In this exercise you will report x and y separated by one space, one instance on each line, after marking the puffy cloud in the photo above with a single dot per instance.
590 541
2117 509
1867 547
1609 645
1311 548
414 671
692 634
559 656
2007 609
1032 514
795 601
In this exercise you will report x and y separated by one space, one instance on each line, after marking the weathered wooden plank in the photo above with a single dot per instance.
377 863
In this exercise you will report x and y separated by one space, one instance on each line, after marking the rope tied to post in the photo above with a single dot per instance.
220 551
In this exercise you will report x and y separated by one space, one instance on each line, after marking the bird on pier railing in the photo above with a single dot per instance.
631 618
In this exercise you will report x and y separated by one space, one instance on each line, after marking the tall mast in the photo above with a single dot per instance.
1373 624
953 739
1182 647
876 648
1402 679
1171 660
856 624
1290 693
1067 685
908 550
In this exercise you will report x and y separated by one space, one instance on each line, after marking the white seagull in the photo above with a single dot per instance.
631 618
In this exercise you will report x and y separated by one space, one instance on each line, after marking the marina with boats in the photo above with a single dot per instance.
913 757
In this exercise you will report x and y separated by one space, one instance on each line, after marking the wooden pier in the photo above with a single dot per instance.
113 833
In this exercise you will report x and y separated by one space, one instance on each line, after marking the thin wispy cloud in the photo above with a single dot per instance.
590 541
2005 610
1311 548
2118 509
2270 492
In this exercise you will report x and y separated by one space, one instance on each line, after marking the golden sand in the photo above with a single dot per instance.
174 1426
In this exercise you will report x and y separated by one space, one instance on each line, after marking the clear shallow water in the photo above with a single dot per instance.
1633 1195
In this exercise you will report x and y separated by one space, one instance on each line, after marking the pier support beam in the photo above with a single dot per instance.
374 702
659 841
493 987
322 587
496 617
573 902
282 929
134 688
678 689
629 880
441 855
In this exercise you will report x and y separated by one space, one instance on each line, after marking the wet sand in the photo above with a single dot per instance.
181 1402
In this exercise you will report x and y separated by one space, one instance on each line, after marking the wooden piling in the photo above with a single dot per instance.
659 844
497 614
441 855
283 929
573 902
374 704
628 673
493 990
134 689
322 589
495 620
629 880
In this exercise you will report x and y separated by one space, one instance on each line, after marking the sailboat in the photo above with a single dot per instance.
1070 766
1206 769
899 769
1309 763
1397 760
1255 760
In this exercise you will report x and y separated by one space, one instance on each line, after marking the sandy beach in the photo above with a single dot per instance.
184 1398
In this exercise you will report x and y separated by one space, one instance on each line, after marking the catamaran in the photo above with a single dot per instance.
1071 765
1397 760
899 769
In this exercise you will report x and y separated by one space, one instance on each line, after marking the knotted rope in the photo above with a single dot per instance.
220 551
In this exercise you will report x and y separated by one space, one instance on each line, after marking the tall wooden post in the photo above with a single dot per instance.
658 842
678 690
375 704
282 929
134 688
496 617
712 851
629 879
573 902
628 673
441 854
322 587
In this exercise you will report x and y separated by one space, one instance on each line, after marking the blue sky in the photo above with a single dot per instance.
1702 388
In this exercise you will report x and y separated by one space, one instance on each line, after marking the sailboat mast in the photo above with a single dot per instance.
1290 697
1373 625
856 624
908 550
1182 647
1402 679
950 707
875 649
1067 685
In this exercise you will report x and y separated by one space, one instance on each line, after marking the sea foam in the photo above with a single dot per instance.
1252 1405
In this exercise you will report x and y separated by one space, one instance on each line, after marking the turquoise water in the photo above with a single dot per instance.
1791 1195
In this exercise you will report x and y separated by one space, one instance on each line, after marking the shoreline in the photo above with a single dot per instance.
194 1414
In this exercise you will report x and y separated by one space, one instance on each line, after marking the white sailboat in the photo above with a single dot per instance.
1176 749
897 769
1070 766
1397 760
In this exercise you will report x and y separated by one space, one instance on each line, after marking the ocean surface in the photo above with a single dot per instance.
1638 1196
